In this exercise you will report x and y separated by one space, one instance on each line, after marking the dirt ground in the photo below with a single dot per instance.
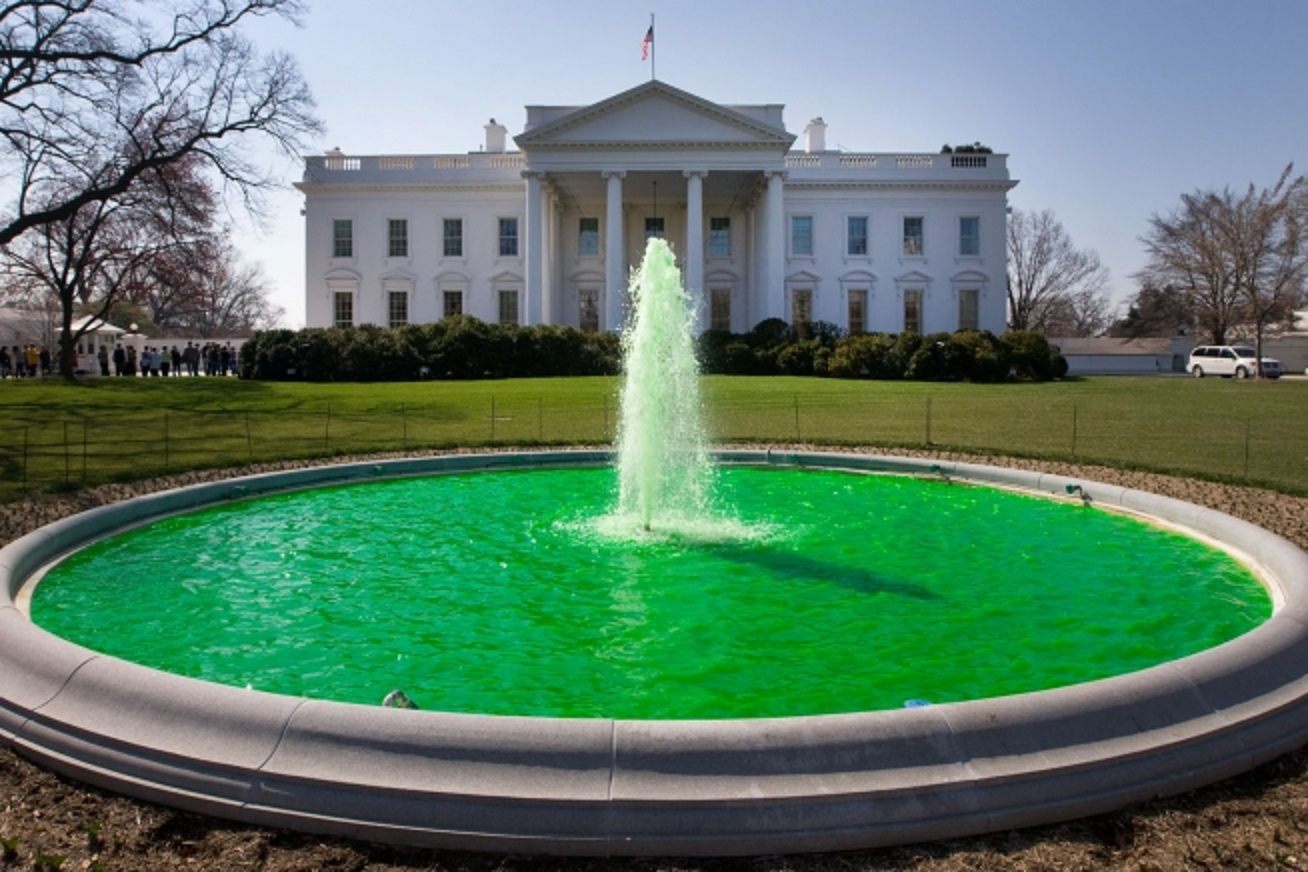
1256 821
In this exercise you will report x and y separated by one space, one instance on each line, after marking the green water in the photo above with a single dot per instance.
495 593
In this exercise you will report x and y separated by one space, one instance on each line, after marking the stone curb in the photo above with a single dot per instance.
601 787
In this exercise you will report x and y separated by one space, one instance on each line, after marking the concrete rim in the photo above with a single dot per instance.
748 787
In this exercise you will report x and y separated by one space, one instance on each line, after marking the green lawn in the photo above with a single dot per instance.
59 435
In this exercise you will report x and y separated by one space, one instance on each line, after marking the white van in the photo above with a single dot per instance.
1240 361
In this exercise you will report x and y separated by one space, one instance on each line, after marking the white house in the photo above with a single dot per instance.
549 233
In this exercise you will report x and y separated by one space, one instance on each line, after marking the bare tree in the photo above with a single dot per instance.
1266 234
1186 251
92 98
1240 259
101 254
1052 283
207 290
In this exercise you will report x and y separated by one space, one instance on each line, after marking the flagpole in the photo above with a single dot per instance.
653 47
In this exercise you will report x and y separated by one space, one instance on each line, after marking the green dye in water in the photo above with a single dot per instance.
496 593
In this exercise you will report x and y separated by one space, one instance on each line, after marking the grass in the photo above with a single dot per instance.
58 435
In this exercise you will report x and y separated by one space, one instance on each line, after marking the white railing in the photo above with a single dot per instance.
803 160
414 168
866 161
914 161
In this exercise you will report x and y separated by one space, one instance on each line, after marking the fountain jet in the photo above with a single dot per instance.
664 472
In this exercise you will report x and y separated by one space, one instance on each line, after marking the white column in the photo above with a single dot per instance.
535 247
554 303
694 257
614 262
774 253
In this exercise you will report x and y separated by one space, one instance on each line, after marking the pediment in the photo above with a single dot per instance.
803 277
970 277
341 274
652 114
916 277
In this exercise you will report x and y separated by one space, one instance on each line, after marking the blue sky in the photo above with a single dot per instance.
1109 109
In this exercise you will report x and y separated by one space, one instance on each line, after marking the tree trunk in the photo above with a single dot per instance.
67 343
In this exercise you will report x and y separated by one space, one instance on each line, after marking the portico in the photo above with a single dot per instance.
650 161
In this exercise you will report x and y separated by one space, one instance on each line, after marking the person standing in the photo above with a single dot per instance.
120 360
103 358
31 358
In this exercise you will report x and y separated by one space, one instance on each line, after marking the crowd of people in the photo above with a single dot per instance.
24 361
209 358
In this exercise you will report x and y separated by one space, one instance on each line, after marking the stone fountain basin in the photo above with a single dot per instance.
623 787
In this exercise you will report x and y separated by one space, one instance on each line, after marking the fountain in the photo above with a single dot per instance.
663 463
613 783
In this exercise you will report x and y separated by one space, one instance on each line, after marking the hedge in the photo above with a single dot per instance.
463 347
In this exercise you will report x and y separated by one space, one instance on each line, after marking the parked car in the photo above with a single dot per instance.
1240 361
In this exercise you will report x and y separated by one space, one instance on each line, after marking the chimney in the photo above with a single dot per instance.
495 133
815 135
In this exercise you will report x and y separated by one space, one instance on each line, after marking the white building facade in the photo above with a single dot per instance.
550 232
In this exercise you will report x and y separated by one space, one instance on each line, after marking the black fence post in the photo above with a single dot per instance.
327 431
167 445
404 428
25 456
86 423
798 436
928 421
1246 448
1074 429
66 462
249 443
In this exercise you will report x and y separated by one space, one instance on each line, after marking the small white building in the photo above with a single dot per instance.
549 233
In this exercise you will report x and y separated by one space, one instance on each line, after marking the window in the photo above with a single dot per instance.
913 241
397 236
801 236
588 310
654 227
720 309
588 237
509 307
969 236
397 308
451 303
856 236
913 310
801 309
968 308
857 312
343 309
719 237
508 237
342 238
453 237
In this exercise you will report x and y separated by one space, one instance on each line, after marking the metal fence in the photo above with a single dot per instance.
79 450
